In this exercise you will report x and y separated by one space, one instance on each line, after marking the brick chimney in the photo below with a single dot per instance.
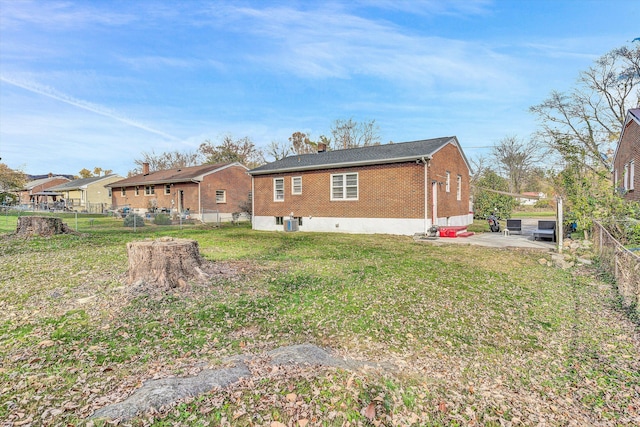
145 168
322 147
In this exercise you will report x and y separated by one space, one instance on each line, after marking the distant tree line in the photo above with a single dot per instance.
344 134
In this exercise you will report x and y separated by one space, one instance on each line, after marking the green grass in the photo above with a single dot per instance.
533 214
469 339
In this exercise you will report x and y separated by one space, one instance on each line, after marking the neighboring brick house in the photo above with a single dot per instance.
627 156
393 189
209 192
37 193
87 194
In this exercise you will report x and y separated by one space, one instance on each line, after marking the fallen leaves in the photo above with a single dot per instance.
369 411
562 354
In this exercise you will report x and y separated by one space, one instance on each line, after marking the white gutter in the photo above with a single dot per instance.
338 165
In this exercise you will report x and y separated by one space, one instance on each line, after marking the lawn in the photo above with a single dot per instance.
464 335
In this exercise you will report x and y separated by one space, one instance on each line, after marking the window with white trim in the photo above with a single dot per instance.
123 191
632 174
344 186
296 185
149 190
167 189
459 188
136 191
448 182
109 191
278 189
221 196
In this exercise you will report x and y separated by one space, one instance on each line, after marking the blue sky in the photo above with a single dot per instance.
96 83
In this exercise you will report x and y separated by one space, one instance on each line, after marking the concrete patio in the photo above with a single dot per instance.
500 240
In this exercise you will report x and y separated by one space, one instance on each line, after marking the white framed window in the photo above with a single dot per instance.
459 188
344 186
221 196
632 174
296 185
278 189
149 190
136 191
448 182
123 191
167 189
110 191
279 220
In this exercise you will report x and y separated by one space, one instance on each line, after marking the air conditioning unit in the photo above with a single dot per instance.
290 225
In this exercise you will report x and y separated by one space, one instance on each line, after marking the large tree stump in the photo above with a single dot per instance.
165 263
41 226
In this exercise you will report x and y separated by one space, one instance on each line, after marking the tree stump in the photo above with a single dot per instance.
41 226
165 263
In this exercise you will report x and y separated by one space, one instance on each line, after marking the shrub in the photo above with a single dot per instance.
633 232
544 204
8 199
133 219
162 219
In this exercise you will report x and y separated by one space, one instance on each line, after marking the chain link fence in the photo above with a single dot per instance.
99 216
621 262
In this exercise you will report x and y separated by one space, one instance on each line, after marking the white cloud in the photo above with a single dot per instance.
432 7
58 15
98 109
331 43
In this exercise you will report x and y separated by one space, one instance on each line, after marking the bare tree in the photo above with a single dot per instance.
583 125
516 159
302 144
166 160
351 134
278 150
241 150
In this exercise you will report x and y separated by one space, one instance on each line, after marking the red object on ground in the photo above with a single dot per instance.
452 231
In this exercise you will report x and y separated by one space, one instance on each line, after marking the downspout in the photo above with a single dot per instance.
426 193
199 199
253 198
200 202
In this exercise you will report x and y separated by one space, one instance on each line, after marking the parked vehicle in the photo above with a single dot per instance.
494 224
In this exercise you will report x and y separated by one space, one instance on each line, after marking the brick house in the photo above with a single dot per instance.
87 194
209 192
627 156
37 192
401 188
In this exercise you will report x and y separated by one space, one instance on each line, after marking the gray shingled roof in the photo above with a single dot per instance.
78 183
372 155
